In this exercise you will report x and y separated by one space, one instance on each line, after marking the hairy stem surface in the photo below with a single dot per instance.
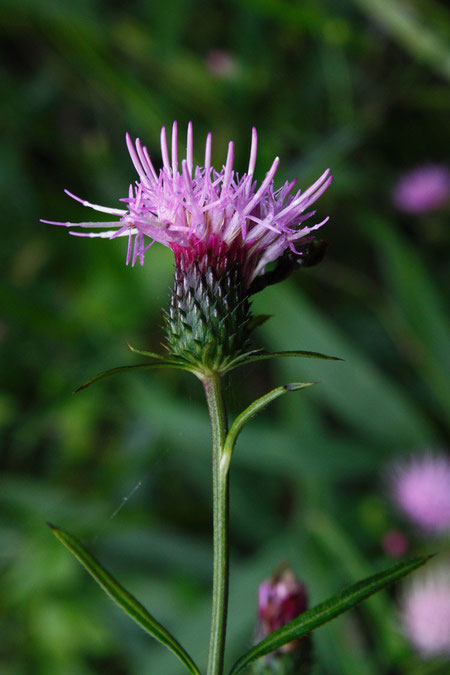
216 405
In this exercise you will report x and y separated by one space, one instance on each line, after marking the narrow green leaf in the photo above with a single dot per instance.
128 369
255 407
127 602
245 359
152 355
317 616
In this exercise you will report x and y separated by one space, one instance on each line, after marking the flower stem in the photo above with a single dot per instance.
216 405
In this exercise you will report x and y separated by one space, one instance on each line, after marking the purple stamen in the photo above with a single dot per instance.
174 150
96 207
147 165
264 185
164 150
190 148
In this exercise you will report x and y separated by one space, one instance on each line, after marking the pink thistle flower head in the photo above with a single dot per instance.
221 63
421 489
424 189
280 600
224 229
425 612
195 209
395 543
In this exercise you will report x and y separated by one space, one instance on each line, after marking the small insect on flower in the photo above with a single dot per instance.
420 487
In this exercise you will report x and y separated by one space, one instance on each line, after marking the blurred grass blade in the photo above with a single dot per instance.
409 29
127 602
364 388
127 369
317 616
414 307
262 356
255 407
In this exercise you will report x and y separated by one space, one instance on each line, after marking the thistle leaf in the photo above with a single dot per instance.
128 369
317 616
254 408
121 597
245 359
152 355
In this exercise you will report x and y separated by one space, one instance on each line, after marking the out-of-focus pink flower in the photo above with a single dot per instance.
204 214
221 63
280 600
425 612
395 544
421 489
426 188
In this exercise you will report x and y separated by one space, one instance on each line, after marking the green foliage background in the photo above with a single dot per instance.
357 85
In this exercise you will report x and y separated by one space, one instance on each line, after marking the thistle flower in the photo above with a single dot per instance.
421 489
224 230
425 612
196 208
221 63
424 189
395 543
281 599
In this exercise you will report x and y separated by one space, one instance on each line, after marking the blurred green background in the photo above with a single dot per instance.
357 85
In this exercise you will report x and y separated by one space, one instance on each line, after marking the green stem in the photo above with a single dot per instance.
216 405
